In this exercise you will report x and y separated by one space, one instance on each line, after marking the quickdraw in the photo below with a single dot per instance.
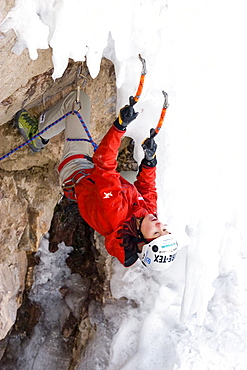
78 89
162 116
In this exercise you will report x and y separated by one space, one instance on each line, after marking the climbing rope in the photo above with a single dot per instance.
90 139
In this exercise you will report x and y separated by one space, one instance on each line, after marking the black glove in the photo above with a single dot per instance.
149 146
126 115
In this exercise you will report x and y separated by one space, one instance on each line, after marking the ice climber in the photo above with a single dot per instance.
124 213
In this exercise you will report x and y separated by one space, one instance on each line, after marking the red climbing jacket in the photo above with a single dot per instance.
106 200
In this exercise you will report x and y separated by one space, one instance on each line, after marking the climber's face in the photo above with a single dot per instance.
152 228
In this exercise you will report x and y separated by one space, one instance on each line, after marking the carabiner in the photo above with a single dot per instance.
73 106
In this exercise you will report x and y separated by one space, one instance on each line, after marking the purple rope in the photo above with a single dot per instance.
90 139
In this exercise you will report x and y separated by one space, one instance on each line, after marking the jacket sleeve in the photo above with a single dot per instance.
112 204
146 184
105 156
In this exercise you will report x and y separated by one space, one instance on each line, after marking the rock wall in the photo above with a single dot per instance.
29 184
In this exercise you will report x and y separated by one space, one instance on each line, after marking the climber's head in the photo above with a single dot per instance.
149 238
157 246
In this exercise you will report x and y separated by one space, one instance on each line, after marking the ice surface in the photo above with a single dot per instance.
192 316
47 347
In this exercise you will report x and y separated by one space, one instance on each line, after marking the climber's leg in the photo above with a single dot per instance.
72 160
60 109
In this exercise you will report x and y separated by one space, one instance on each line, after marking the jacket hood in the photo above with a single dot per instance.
112 243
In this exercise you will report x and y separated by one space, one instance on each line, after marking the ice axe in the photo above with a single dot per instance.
149 144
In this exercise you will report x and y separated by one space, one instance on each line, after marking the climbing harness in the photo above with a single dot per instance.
162 116
90 139
68 185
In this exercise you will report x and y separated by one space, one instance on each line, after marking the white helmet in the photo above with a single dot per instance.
160 253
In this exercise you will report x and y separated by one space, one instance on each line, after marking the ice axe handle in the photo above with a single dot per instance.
153 133
131 103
